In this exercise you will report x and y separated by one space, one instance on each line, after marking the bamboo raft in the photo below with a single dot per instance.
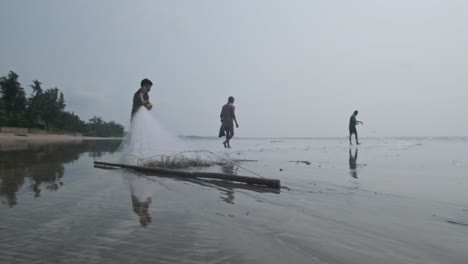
273 183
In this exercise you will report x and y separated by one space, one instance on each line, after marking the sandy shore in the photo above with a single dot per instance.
37 138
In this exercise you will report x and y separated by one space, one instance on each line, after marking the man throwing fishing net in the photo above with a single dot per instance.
352 127
141 97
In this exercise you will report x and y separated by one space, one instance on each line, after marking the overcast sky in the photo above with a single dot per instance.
296 68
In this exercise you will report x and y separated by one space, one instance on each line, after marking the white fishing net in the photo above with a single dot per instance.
148 143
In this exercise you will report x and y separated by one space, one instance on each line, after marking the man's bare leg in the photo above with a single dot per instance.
229 139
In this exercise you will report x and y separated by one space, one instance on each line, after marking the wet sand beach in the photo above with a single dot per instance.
9 141
389 200
44 138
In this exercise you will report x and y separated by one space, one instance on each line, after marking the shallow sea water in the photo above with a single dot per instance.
391 200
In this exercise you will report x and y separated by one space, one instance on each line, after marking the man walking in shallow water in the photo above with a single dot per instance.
352 127
228 117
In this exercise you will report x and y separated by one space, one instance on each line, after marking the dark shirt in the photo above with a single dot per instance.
352 121
228 115
137 100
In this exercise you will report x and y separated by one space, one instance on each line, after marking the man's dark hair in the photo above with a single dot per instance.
356 112
146 82
231 99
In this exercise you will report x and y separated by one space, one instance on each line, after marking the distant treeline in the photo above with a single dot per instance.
45 109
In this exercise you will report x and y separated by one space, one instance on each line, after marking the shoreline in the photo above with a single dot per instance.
10 138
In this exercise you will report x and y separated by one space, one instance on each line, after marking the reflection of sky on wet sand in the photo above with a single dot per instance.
109 216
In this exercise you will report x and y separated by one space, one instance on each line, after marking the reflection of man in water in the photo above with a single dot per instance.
141 97
229 168
228 117
141 192
353 163
352 127
142 209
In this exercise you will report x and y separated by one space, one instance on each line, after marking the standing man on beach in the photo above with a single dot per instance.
141 97
228 117
352 127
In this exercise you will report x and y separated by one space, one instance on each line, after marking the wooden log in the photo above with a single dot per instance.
274 183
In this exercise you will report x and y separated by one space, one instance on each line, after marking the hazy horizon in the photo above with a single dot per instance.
297 68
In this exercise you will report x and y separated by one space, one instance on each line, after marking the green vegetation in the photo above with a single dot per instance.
45 109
